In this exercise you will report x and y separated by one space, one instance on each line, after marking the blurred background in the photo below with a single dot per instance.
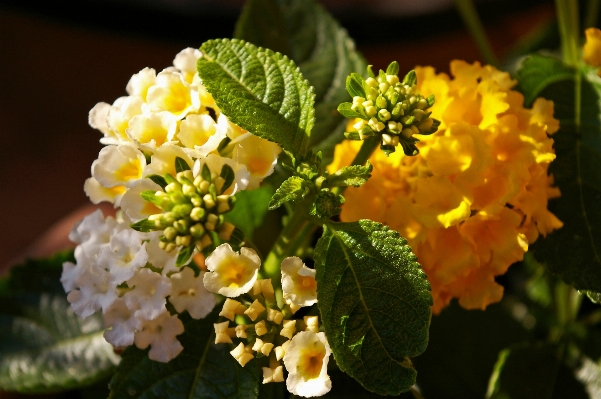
59 58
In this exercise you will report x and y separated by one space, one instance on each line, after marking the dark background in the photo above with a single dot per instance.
59 58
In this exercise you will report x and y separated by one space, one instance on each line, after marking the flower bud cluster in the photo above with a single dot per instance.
387 107
193 209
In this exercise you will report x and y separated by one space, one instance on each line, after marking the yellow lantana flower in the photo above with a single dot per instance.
476 195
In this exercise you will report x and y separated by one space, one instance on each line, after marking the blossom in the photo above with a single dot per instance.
306 360
148 293
298 283
476 195
189 293
592 47
118 165
230 273
160 333
125 254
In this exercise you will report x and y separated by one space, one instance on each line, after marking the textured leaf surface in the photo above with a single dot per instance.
318 44
375 303
262 91
292 189
355 175
44 346
575 170
203 370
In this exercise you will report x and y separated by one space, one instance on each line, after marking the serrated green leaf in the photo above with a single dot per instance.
203 370
143 225
355 176
375 303
292 189
262 91
42 342
250 209
321 48
160 180
575 170
346 111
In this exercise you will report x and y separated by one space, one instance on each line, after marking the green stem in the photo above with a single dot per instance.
367 148
472 21
592 13
567 16
285 242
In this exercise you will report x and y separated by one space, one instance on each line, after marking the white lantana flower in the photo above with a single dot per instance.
231 130
215 163
189 293
119 115
119 165
97 119
185 61
163 160
152 130
93 232
121 324
139 83
96 291
97 193
231 274
148 294
134 206
125 254
160 333
259 156
199 131
306 360
298 283
172 94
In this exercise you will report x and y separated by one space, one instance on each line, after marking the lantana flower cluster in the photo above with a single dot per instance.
263 329
172 165
476 195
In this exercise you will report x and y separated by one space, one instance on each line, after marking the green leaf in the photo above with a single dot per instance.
41 340
321 48
203 370
462 350
181 165
143 225
292 189
575 170
375 303
259 90
227 173
150 196
355 176
525 371
393 68
271 32
538 72
354 85
184 255
160 180
346 111
250 209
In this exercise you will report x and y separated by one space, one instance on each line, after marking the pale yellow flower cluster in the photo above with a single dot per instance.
476 195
